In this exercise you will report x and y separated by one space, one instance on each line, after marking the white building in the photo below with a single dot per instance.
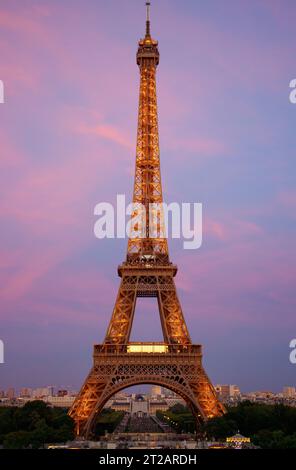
140 406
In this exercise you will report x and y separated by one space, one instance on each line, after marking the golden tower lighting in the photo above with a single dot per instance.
175 363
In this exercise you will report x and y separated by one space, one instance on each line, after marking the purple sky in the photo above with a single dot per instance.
67 142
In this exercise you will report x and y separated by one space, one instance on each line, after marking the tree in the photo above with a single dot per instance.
41 434
17 440
220 428
7 423
28 416
34 425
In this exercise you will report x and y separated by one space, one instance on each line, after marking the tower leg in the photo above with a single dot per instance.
171 314
122 316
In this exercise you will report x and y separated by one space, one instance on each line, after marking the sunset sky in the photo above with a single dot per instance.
67 141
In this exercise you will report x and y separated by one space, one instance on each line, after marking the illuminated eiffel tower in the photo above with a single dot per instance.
175 363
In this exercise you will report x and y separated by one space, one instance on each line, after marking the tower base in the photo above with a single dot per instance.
116 367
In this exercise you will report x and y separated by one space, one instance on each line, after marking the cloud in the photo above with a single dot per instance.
242 283
107 132
22 23
231 229
287 199
200 146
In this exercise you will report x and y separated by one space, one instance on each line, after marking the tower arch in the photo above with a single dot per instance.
178 389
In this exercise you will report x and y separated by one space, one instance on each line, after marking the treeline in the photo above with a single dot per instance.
179 418
34 425
268 426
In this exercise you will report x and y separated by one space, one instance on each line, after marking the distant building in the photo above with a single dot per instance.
25 392
121 405
227 392
157 405
265 396
41 392
289 392
63 401
156 391
140 406
120 395
10 394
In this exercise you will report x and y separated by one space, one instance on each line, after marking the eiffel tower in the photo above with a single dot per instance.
175 363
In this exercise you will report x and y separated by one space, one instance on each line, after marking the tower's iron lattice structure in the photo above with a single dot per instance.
175 363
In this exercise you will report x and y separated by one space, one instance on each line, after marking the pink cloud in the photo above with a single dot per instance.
231 229
288 200
227 281
51 295
76 297
215 229
20 23
107 132
22 272
14 75
200 146
11 155
52 207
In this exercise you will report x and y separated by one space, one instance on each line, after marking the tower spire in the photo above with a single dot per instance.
148 4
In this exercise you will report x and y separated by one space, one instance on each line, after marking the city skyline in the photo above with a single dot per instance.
136 388
67 112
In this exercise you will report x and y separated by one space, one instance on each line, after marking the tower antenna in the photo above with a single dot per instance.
148 4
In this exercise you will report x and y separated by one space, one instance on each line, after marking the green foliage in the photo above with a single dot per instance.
220 428
108 420
179 417
269 426
33 425
17 440
7 423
